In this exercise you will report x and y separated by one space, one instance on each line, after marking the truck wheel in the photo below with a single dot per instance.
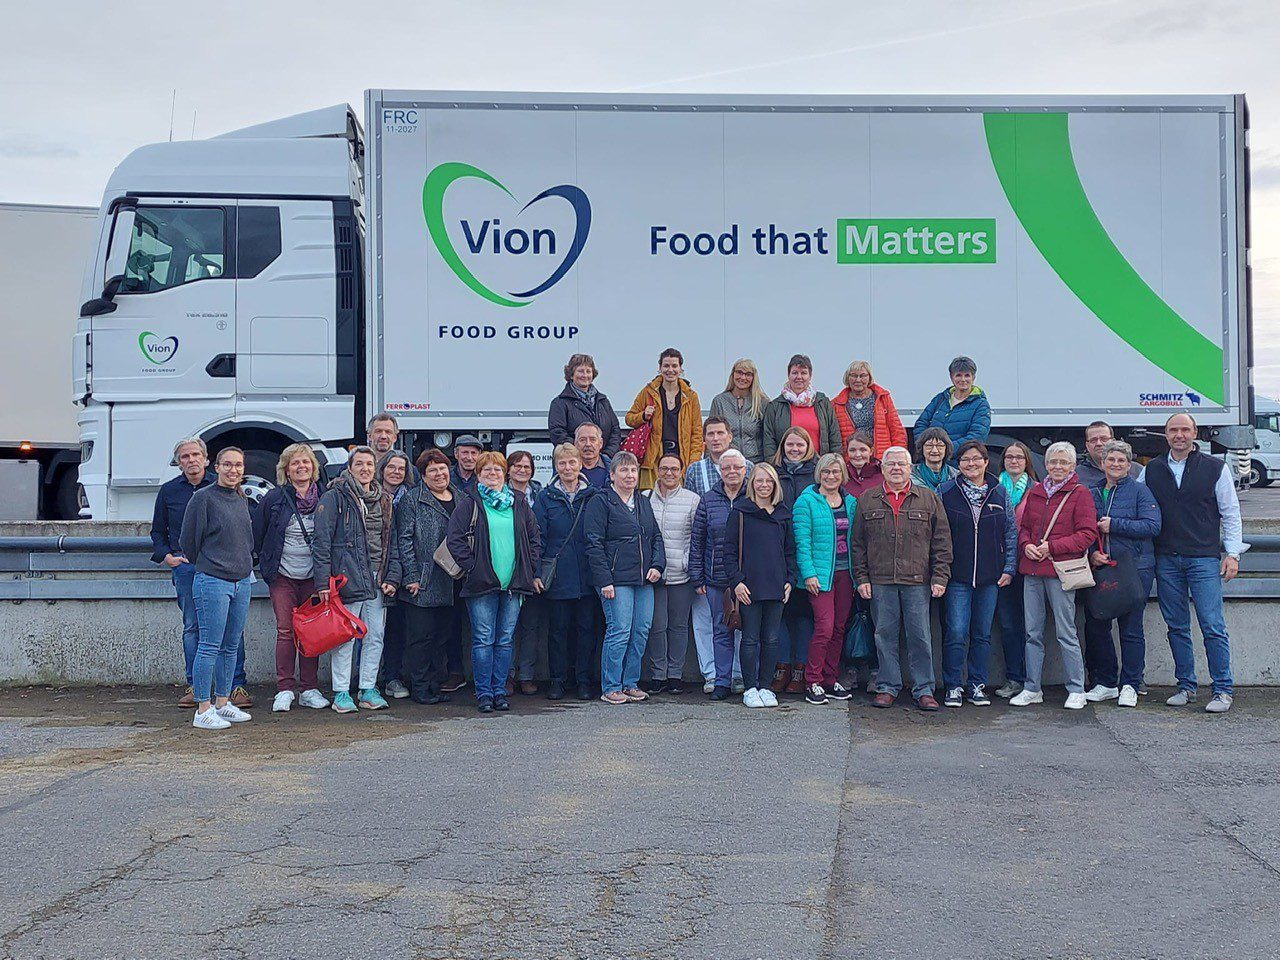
1258 475
259 473
66 497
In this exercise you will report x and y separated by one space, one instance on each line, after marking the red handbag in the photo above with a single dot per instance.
320 625
637 441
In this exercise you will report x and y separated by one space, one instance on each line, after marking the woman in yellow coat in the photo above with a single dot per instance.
674 412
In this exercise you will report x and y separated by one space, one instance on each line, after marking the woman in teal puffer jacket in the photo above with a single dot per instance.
823 522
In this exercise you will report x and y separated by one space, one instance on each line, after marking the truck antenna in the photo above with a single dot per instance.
172 104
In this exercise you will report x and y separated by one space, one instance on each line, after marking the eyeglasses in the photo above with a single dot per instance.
934 444
668 469
1015 456
971 461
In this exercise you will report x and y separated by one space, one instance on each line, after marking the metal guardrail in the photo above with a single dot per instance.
120 568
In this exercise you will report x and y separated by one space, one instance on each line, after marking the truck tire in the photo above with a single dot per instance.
259 472
1258 475
66 495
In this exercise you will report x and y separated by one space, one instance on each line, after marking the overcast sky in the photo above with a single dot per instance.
83 83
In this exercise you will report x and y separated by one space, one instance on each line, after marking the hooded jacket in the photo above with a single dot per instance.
622 544
970 419
887 428
766 562
568 412
690 426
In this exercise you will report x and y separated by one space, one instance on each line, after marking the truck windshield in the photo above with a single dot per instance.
171 246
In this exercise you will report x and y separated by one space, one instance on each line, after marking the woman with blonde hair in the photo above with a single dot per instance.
742 407
760 559
283 526
865 405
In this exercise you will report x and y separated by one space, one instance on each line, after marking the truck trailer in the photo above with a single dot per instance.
279 284
42 262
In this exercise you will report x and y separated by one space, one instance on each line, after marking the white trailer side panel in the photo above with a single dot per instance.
43 250
1084 253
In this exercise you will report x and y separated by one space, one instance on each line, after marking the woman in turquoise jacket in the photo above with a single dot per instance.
823 522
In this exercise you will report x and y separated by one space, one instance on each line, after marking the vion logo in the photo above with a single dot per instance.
490 236
157 349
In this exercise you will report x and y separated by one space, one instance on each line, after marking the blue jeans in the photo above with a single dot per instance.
1013 630
1201 577
898 610
724 642
222 607
493 623
627 618
184 575
969 612
1100 649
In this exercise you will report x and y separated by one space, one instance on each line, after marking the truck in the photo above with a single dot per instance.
43 250
280 284
1264 467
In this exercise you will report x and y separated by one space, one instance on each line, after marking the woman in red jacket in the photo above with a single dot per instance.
865 405
1059 522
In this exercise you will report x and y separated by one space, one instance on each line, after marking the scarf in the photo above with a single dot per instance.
307 502
1050 488
587 396
973 493
1016 489
502 499
805 399
371 507
934 480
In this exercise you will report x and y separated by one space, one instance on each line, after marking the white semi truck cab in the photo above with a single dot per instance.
224 301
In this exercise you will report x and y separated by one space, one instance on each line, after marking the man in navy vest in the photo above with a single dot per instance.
1201 517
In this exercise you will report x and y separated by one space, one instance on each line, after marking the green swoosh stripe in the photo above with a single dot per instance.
433 190
1032 157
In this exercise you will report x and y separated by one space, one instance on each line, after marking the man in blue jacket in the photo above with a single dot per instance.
192 457
962 409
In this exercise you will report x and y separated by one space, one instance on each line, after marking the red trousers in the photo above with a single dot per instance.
286 595
831 610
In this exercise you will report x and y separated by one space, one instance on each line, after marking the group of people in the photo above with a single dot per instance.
799 540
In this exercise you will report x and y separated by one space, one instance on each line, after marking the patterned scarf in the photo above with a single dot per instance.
1050 488
1017 488
973 493
587 396
496 499
307 501
799 399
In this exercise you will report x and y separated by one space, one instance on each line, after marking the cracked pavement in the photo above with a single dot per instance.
680 829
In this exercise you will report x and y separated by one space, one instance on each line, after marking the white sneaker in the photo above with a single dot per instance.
282 702
396 690
233 713
1076 701
313 699
751 698
1128 696
1026 698
209 720
709 687
767 698
1100 693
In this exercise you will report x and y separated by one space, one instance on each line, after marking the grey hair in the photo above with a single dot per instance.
1118 446
885 456
1062 446
363 449
962 365
204 447
623 458
733 453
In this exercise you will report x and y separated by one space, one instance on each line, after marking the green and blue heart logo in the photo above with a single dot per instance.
159 350
433 190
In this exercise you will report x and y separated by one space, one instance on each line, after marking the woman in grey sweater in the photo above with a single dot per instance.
217 536
742 407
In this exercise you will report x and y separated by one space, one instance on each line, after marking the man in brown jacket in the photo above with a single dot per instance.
901 555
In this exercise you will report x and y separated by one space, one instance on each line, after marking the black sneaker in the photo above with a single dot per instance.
839 692
978 695
439 698
815 694
584 691
955 697
720 693
501 703
674 687
485 705
655 686
555 691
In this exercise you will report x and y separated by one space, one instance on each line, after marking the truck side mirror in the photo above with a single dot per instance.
105 303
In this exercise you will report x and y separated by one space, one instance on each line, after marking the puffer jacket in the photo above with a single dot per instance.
794 477
556 516
815 532
706 547
422 524
674 514
340 548
777 418
1135 522
887 428
1074 532
622 544
970 419
981 553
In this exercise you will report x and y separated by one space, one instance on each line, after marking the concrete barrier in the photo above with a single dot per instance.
86 642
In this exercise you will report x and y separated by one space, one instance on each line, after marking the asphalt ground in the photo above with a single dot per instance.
676 828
